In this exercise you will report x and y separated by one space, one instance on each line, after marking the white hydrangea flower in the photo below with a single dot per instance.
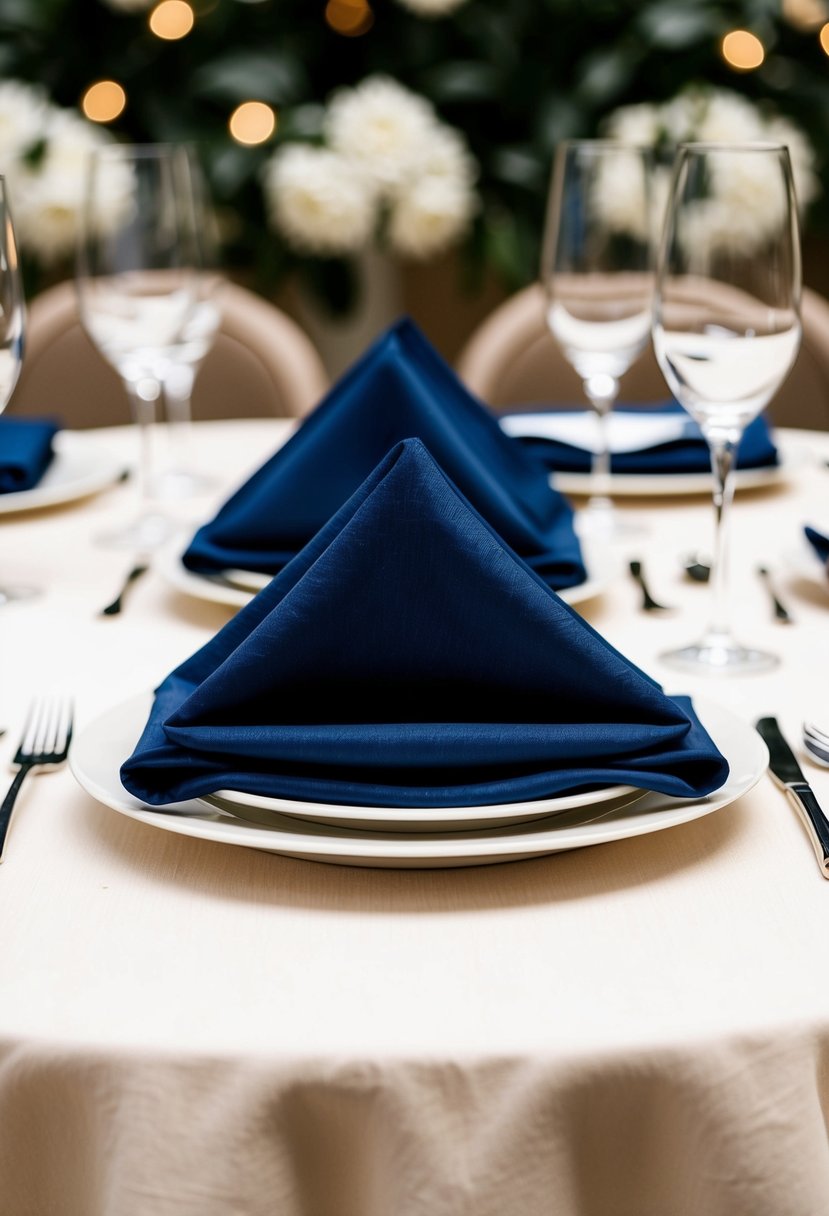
23 116
446 155
432 8
318 200
729 118
619 197
430 215
637 124
52 194
381 128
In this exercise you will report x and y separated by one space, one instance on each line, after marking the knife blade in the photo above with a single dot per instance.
787 773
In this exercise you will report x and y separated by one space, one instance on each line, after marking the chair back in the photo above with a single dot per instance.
262 364
511 359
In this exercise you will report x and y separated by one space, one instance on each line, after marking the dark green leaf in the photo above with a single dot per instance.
675 26
460 80
250 74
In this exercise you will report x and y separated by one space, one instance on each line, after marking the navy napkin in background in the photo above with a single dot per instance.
401 388
408 657
687 453
25 451
818 541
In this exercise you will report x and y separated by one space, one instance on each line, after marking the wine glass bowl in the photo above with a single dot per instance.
726 329
597 276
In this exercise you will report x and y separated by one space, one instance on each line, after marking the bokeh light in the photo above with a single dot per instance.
103 101
171 19
742 50
824 38
252 122
349 17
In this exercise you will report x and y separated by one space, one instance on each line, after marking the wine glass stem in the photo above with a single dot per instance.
723 452
144 394
601 392
178 393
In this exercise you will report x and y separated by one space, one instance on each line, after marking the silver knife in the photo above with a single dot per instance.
788 774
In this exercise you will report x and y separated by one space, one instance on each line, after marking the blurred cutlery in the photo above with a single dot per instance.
780 611
115 607
649 604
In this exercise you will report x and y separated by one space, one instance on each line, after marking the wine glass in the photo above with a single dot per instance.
12 326
197 338
726 329
597 274
136 282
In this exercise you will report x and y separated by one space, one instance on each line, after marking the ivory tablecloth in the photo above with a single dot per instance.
192 1029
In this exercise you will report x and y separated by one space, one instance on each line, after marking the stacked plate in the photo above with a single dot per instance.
412 837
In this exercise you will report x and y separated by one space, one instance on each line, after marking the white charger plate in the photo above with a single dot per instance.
99 749
77 470
241 585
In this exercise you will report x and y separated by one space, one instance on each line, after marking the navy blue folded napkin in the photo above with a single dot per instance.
677 445
401 388
25 451
819 542
408 657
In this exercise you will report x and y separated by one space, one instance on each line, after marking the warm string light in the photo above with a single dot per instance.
351 18
103 101
252 122
742 50
824 38
171 19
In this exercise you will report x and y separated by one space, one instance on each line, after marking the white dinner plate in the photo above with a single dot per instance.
667 485
261 810
99 749
238 587
77 470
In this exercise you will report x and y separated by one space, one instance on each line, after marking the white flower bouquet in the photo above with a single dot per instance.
43 153
387 169
740 208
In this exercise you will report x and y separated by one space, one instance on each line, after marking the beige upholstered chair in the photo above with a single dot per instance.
261 364
511 359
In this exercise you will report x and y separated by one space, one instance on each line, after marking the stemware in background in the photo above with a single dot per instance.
726 329
597 274
12 326
179 479
136 279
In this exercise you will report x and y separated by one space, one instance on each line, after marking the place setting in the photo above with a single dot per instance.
399 388
408 692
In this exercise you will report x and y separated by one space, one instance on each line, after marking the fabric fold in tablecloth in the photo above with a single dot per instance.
648 439
408 657
25 451
401 388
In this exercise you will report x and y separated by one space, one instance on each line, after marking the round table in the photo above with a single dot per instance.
639 1028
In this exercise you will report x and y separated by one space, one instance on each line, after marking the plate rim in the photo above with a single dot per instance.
107 471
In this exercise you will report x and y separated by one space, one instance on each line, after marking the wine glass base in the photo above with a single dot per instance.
175 484
145 533
12 594
599 519
725 657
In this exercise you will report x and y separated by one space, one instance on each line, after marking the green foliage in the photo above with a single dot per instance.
516 77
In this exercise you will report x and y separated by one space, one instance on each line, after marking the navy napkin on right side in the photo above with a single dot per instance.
408 657
401 388
819 542
685 451
25 451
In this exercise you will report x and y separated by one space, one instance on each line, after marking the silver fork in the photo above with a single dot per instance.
47 734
